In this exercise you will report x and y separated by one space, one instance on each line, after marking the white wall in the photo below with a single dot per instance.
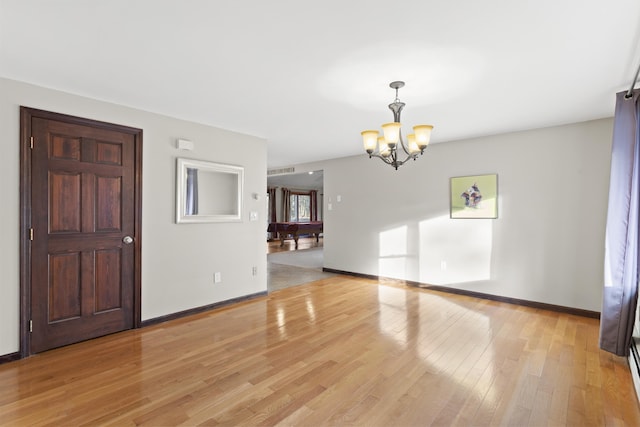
178 261
546 245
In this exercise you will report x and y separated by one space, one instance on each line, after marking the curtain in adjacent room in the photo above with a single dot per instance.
272 204
286 204
313 194
620 292
191 205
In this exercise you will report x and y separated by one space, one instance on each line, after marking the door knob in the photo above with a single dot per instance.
127 240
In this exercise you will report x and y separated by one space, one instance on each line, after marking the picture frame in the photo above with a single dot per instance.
474 196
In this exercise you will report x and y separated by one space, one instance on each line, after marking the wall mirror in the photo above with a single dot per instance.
208 192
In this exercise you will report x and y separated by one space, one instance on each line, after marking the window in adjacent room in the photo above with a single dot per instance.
300 207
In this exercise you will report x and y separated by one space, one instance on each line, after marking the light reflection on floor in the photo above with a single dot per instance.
406 318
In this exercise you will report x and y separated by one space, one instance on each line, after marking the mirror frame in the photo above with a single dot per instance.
181 184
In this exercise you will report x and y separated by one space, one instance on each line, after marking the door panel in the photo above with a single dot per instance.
108 195
64 286
83 279
108 294
64 202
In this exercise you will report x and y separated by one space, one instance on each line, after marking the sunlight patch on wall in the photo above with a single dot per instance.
392 259
455 251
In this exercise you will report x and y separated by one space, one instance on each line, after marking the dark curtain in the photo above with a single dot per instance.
191 205
620 294
272 204
313 194
286 204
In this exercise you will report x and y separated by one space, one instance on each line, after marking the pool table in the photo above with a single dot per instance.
295 229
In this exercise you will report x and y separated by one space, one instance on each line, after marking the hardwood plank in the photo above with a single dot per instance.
340 351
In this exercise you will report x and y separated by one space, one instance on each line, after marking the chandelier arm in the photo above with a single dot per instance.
392 159
384 159
409 156
404 147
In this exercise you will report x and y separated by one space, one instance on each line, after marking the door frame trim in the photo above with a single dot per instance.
26 116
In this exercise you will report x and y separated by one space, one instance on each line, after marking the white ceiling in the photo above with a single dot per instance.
309 76
298 181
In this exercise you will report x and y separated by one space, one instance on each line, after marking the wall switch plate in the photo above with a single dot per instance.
217 277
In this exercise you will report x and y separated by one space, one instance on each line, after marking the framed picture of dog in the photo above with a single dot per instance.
474 196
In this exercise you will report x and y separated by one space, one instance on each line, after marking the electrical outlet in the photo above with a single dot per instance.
443 265
217 277
254 271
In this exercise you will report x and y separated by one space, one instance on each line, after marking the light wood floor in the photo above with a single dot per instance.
342 351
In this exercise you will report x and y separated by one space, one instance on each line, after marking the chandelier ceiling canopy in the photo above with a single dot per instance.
386 147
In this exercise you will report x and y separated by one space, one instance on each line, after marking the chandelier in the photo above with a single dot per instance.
387 145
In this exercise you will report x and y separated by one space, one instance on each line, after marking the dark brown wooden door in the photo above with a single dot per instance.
83 216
